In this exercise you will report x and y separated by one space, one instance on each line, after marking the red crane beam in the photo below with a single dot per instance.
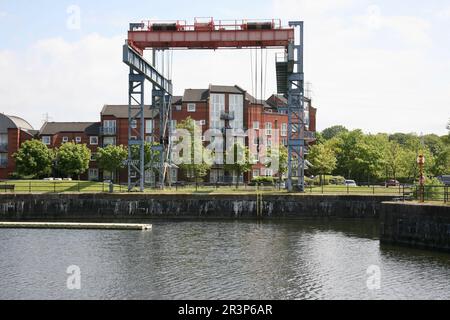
210 36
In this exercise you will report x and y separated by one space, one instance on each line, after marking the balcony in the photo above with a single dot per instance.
310 136
108 131
228 116
3 147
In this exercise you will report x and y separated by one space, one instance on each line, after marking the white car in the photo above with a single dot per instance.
350 183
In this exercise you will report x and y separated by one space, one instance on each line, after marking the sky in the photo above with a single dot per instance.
380 65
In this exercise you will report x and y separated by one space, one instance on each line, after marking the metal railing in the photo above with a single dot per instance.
401 192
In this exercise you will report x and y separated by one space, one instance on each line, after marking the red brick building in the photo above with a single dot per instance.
55 134
223 108
13 132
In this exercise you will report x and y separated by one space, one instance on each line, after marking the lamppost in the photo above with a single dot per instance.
421 163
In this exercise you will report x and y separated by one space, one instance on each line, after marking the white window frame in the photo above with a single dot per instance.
217 107
149 125
134 124
96 175
191 107
256 173
91 139
78 139
268 128
284 129
256 125
65 139
93 157
47 140
179 108
112 144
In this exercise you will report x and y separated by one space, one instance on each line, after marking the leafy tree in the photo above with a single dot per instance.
73 159
282 154
196 170
323 160
152 156
333 132
34 159
112 158
241 162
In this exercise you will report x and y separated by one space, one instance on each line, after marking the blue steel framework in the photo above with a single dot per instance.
297 147
141 70
161 98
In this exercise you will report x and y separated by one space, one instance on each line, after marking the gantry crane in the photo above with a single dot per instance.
213 35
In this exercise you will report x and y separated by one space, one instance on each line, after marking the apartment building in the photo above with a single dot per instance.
223 108
232 109
55 134
13 132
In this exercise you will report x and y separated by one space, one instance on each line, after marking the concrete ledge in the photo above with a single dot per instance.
125 207
423 226
96 226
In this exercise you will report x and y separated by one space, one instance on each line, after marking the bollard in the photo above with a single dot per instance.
111 187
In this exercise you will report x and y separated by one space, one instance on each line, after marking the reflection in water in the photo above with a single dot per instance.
218 260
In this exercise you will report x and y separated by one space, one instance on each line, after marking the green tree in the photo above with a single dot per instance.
73 159
282 154
323 160
34 159
112 158
394 155
241 161
195 169
152 156
333 132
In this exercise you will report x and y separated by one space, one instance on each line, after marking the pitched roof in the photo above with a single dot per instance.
52 128
176 100
195 95
226 89
121 111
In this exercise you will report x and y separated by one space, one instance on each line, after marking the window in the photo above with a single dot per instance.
256 173
109 127
149 139
284 129
149 126
201 123
268 128
109 141
46 140
236 108
191 107
3 160
173 125
269 142
255 141
216 108
134 124
179 108
108 175
93 157
65 139
93 141
93 174
256 125
269 173
78 139
284 141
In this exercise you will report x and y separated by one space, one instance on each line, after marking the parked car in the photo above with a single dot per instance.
350 183
392 183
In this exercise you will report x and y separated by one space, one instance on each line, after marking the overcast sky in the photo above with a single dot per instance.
381 65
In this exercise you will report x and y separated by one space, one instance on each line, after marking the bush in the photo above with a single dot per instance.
266 181
328 180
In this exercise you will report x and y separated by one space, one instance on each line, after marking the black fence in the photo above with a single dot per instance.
402 192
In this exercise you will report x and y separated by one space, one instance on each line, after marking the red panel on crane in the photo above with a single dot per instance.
212 36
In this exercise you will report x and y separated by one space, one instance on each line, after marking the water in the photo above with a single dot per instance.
218 260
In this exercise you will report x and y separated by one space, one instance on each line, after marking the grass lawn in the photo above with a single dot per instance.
40 186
